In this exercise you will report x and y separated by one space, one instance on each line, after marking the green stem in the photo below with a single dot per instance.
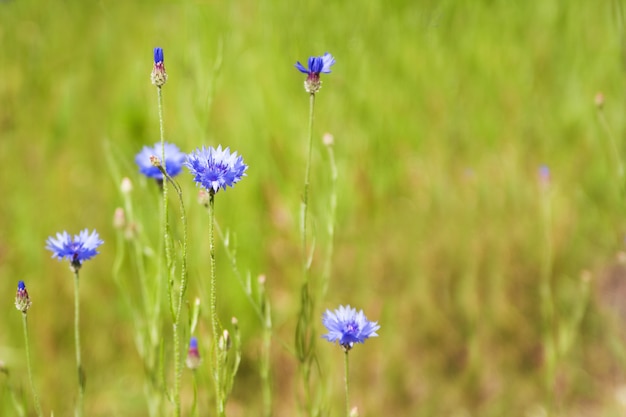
213 307
178 360
30 371
547 302
346 368
81 373
169 262
304 332
331 222
266 356
194 404
305 195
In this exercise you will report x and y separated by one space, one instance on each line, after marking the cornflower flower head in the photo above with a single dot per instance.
22 300
193 356
317 65
158 75
81 248
348 327
215 168
174 160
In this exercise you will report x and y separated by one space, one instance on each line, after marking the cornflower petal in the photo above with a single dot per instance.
347 326
81 248
174 160
216 168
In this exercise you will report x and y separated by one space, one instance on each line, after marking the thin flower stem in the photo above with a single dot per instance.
213 307
305 195
183 285
346 367
194 404
305 339
28 364
547 303
266 354
332 216
169 259
81 373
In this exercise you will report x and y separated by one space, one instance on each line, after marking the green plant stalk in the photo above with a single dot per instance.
194 404
332 218
178 360
169 259
346 368
30 370
213 308
266 387
305 195
547 303
79 367
305 337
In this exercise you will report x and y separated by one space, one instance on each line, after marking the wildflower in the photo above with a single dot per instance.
22 300
317 65
81 248
174 159
158 76
193 356
215 168
347 327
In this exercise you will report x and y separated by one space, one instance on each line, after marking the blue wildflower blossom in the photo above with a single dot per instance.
317 65
158 75
348 327
216 168
174 160
22 300
81 248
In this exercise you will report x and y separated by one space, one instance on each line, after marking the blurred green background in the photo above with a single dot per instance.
442 112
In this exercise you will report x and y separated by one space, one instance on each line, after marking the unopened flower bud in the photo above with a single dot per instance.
127 186
193 356
328 139
203 197
158 75
22 300
119 219
225 342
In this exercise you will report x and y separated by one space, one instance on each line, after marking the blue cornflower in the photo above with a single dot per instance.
317 65
174 159
82 248
215 168
22 300
348 327
158 75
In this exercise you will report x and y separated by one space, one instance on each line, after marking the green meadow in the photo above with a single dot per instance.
499 291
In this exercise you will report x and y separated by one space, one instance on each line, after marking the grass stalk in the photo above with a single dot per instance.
28 364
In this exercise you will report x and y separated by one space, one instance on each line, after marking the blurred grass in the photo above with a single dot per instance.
441 111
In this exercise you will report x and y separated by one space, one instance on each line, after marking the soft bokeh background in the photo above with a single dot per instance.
442 112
